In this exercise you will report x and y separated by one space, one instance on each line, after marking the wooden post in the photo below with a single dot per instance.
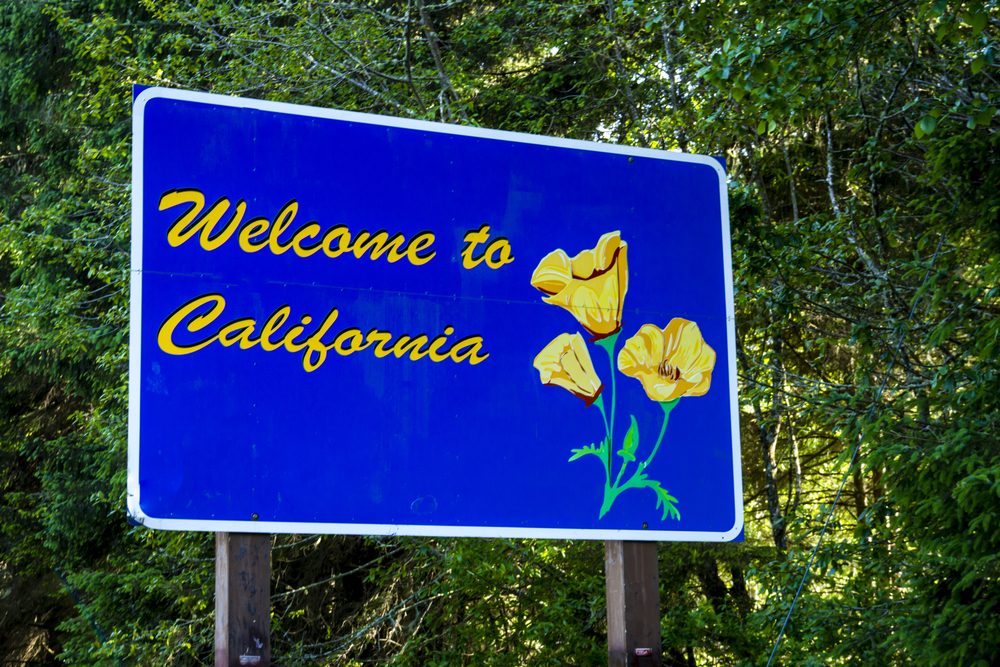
242 599
632 583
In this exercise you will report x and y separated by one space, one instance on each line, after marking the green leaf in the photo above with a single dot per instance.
631 442
665 500
925 126
628 456
985 116
977 21
589 449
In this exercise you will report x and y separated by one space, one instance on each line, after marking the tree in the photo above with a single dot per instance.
861 140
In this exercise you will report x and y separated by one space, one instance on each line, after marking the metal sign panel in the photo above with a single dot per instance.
349 323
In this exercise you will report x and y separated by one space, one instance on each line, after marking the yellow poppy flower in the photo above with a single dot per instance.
591 285
670 363
565 362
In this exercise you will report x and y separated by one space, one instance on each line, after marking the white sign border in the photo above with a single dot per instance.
135 328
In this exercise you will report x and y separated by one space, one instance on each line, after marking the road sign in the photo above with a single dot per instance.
350 323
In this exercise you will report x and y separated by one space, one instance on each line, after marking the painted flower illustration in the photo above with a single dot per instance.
565 362
591 285
671 362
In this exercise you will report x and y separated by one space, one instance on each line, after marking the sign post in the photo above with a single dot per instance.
242 599
393 327
633 598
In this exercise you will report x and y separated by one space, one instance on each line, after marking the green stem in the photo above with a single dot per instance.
608 345
633 481
636 480
610 493
599 402
621 473
668 407
607 432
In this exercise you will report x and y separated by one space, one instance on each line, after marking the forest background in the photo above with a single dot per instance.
862 142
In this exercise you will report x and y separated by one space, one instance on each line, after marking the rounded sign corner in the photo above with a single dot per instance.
734 534
137 517
145 95
713 163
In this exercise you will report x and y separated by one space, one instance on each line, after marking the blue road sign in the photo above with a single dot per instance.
349 323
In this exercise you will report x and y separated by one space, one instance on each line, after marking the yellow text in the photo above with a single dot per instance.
279 236
198 320
497 253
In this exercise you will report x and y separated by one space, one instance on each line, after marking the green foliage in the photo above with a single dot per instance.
861 139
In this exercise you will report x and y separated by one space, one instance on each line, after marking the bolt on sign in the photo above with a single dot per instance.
349 323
